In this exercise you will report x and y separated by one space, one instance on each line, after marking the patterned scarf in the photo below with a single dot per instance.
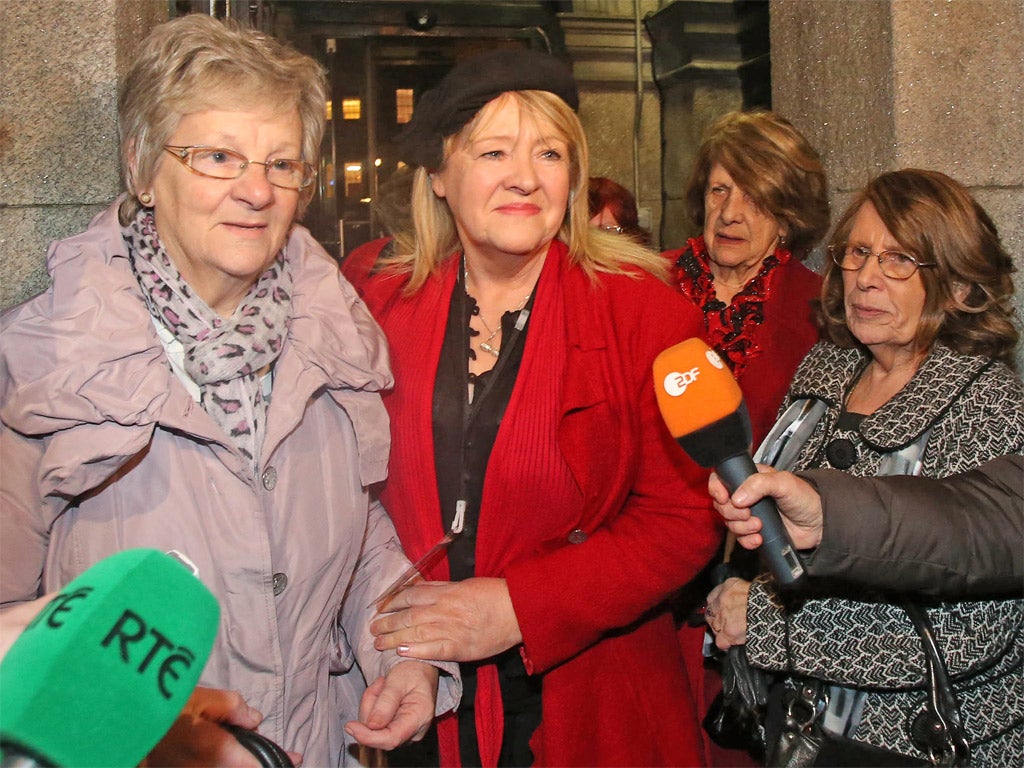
731 327
223 357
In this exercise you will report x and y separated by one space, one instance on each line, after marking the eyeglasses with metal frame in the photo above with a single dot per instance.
220 163
894 264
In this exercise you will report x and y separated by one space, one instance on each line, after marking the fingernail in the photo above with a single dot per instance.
403 649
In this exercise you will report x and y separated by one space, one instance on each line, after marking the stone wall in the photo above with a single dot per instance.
600 38
61 63
883 84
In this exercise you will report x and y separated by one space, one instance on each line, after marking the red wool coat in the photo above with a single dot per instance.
587 583
785 336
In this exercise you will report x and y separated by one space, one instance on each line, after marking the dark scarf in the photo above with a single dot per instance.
223 357
731 327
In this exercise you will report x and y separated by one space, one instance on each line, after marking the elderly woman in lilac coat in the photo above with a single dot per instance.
200 379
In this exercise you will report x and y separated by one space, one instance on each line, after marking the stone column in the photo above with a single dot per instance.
600 38
61 63
884 84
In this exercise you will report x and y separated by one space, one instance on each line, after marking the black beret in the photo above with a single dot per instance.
445 109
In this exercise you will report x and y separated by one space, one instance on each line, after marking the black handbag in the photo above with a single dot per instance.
735 719
937 730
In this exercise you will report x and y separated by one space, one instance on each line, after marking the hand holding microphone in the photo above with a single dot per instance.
704 410
798 502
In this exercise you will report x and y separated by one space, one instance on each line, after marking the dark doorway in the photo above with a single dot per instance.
380 58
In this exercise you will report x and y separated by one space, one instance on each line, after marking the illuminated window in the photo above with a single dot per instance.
330 110
351 109
403 105
353 179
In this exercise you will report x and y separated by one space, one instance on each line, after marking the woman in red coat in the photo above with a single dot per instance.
524 416
759 195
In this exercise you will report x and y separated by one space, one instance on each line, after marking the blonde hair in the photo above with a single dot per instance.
194 63
432 239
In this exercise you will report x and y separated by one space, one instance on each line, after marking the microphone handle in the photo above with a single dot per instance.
776 551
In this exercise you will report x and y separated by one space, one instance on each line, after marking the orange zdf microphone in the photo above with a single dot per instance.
704 410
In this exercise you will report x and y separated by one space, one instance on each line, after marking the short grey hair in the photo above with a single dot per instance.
194 63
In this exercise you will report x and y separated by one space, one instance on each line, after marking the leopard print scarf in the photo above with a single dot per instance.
223 356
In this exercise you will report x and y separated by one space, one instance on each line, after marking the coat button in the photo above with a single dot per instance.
280 582
841 453
269 478
578 536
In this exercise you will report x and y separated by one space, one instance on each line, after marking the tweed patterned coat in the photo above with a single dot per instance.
975 408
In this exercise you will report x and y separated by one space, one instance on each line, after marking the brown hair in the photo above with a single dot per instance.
774 164
194 63
433 238
967 294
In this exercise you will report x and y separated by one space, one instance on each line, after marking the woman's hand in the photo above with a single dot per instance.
726 612
396 708
449 621
196 738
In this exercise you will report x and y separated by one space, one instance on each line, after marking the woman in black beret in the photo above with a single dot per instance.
525 431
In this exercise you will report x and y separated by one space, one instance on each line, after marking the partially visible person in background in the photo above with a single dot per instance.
392 207
613 209
758 192
962 536
200 379
524 416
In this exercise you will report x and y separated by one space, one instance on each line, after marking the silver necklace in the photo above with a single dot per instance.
486 345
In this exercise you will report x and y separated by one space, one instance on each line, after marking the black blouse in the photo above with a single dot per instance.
464 432
464 435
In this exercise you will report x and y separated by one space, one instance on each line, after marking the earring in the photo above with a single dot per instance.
146 199
782 241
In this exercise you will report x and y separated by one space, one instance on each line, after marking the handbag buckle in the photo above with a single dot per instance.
929 734
805 707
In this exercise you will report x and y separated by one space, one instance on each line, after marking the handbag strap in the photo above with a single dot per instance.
786 439
944 737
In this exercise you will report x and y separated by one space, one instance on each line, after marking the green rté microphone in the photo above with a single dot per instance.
101 673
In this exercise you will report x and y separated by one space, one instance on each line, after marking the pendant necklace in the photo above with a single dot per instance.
486 345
